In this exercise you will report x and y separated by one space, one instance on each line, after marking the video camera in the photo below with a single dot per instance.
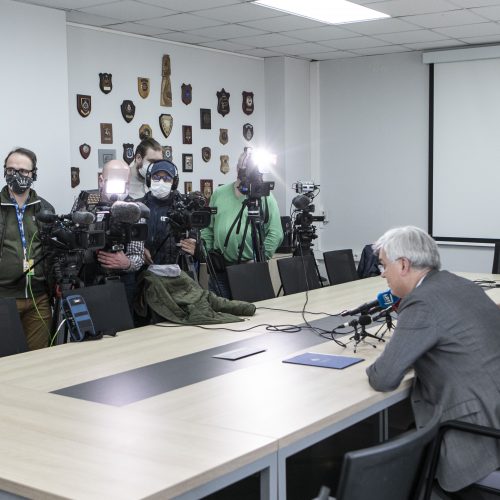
69 233
250 175
190 212
303 230
121 224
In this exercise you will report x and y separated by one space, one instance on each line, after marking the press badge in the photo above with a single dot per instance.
28 267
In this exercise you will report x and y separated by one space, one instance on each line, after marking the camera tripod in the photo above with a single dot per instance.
254 221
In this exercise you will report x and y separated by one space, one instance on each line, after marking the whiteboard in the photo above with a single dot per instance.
465 168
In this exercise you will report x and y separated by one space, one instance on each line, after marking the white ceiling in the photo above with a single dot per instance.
242 27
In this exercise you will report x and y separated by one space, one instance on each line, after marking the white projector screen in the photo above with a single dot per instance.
464 174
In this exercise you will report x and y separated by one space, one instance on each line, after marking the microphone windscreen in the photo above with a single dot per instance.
301 201
386 299
83 218
126 212
144 209
46 217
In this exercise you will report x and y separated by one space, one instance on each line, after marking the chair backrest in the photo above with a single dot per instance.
496 259
12 340
340 266
390 470
298 274
250 282
107 306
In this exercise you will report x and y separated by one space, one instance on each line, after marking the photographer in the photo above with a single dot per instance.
228 200
22 276
164 243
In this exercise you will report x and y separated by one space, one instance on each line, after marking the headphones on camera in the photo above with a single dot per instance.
175 179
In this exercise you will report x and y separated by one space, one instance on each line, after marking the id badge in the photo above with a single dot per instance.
28 267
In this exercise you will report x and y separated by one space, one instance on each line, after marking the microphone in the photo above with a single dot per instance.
82 218
383 301
46 216
301 201
126 212
363 320
388 310
144 209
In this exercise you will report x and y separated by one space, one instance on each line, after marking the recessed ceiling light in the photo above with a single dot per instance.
331 11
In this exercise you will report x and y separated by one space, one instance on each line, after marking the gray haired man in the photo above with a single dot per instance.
448 331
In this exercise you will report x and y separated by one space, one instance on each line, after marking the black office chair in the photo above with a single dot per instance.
12 340
250 282
489 486
298 274
496 259
393 469
340 266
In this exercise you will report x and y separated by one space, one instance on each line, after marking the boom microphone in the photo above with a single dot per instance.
144 209
301 201
126 212
82 218
383 301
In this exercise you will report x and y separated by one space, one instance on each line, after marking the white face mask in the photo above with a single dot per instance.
144 169
160 189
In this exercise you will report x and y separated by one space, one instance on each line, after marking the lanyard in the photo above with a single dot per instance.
20 217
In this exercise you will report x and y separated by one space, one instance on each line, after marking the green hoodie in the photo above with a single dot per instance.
11 249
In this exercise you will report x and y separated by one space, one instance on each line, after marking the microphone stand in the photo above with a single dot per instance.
361 335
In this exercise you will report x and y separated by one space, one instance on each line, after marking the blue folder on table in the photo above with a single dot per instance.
323 360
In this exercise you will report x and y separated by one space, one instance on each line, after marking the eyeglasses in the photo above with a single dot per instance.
22 171
161 177
382 268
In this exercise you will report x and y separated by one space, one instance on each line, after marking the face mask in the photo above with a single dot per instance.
144 169
160 189
18 183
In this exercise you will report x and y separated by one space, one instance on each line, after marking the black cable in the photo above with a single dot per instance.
299 312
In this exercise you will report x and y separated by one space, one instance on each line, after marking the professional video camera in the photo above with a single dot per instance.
250 165
303 230
121 224
66 238
190 212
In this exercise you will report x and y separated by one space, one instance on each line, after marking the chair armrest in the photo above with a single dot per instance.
436 447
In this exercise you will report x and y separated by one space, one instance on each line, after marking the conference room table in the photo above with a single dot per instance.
151 414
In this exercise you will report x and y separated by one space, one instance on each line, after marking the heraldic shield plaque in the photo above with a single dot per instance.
223 102
105 82
247 102
166 124
83 104
206 154
223 136
128 110
128 153
186 93
143 86
85 150
145 132
248 131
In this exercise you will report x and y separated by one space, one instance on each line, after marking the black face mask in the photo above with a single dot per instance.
18 183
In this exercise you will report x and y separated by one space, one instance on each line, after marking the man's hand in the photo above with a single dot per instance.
188 245
147 257
113 260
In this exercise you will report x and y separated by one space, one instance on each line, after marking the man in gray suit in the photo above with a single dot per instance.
448 331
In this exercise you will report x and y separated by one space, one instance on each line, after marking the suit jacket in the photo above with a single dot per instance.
448 331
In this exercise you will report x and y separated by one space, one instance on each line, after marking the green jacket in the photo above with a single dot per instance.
11 249
182 300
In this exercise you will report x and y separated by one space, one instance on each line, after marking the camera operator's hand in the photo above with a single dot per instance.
113 260
147 257
188 245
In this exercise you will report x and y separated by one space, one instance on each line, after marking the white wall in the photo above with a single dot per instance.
126 57
34 93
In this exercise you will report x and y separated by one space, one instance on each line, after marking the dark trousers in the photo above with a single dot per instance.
36 318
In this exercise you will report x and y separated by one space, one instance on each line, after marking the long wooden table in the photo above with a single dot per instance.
187 442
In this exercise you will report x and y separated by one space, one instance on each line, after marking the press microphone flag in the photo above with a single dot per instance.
383 301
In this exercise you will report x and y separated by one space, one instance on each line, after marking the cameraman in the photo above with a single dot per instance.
119 263
161 246
21 248
228 200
